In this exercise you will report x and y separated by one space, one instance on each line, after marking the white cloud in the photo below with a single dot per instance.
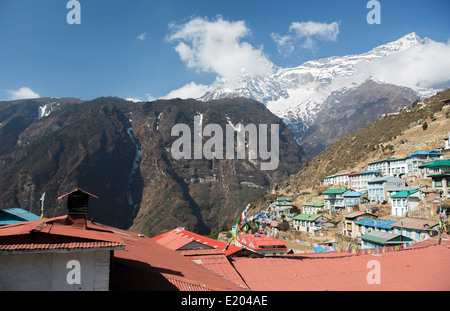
22 93
190 90
149 97
142 36
305 35
217 47
322 31
422 66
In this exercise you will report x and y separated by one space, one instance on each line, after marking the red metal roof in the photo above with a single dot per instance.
32 247
179 236
422 267
261 241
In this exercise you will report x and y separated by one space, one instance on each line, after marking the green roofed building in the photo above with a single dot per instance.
434 167
439 172
334 198
308 223
381 239
404 201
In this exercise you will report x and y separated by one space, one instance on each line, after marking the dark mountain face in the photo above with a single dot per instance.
346 112
121 152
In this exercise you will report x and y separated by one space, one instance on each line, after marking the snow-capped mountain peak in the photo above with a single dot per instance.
297 94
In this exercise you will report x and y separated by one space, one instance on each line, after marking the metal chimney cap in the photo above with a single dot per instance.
76 190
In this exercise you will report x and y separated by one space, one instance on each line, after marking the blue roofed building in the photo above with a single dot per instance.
367 225
353 199
417 158
16 215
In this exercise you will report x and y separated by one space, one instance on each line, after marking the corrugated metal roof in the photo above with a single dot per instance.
260 241
74 246
425 153
404 194
382 237
15 215
355 194
336 191
307 217
416 223
376 223
420 268
229 249
385 178
313 204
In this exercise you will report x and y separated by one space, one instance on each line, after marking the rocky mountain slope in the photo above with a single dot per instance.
347 111
120 151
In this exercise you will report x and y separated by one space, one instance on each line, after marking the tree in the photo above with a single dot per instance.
425 126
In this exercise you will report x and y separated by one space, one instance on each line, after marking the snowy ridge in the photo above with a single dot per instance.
44 111
133 99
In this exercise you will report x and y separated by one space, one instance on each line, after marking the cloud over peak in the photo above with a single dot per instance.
305 35
217 46
22 93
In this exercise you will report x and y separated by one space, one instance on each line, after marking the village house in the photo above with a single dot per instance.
262 244
368 225
439 172
447 143
380 165
282 211
409 165
309 223
404 201
434 167
334 199
338 179
378 188
353 200
441 182
312 208
417 158
358 181
415 228
398 167
382 239
349 227
283 206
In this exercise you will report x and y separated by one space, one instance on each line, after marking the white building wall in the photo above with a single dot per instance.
50 271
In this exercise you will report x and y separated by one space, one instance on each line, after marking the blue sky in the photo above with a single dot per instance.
134 48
